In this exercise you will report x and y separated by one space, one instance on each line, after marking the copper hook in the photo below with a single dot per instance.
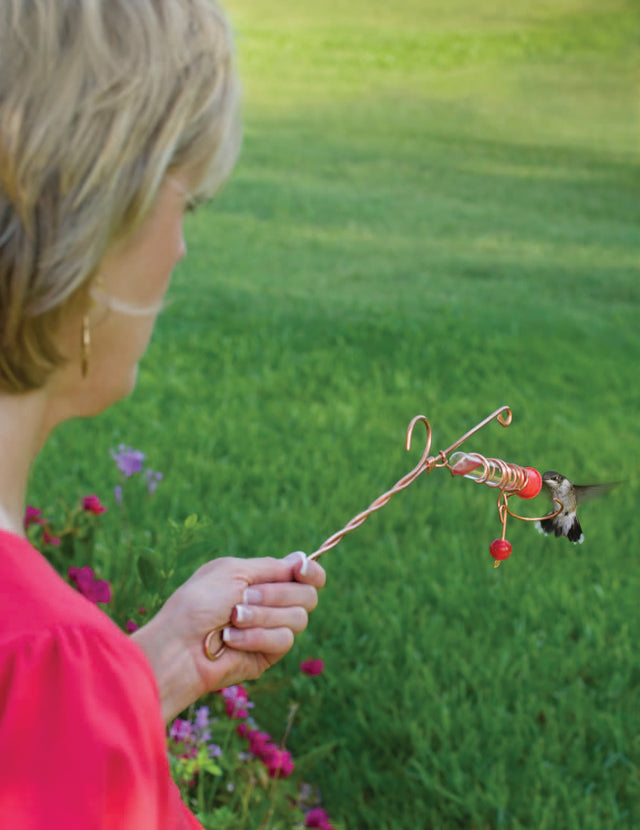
498 415
535 518
424 461
422 466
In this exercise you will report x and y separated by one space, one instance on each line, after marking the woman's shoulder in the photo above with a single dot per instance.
38 608
79 704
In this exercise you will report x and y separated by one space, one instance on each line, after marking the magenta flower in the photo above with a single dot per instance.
318 818
131 626
236 702
96 590
278 762
259 743
312 667
129 461
50 539
33 516
93 505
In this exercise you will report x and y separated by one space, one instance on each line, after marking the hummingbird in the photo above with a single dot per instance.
569 495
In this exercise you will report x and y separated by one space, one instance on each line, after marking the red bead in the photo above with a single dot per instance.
533 485
500 549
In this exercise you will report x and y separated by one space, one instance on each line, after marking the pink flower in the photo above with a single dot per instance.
93 505
278 762
235 709
131 626
259 743
318 818
312 667
96 590
49 539
236 702
33 516
181 730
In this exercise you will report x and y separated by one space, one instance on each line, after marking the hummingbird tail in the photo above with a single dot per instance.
567 525
547 526
574 533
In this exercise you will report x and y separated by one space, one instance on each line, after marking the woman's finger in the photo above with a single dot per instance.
272 641
256 616
281 595
308 571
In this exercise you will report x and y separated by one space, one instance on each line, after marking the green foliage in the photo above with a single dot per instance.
436 210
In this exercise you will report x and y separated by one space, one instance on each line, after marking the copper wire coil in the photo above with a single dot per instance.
497 473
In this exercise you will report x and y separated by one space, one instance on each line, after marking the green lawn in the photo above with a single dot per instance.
436 210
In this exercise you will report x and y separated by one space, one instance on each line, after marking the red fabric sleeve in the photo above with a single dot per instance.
82 743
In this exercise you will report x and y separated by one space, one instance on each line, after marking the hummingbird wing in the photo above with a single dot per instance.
584 492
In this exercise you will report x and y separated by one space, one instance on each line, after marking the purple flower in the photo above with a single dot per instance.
117 493
96 590
153 478
131 626
129 461
181 730
202 718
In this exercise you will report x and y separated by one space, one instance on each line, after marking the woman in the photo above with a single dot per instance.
114 116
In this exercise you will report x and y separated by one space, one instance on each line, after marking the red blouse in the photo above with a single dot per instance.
82 741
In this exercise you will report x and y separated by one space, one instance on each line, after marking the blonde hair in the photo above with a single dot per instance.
99 99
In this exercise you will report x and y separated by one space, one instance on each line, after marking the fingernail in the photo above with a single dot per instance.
305 564
231 635
294 557
243 613
252 596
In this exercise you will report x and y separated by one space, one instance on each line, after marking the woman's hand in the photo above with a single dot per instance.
263 604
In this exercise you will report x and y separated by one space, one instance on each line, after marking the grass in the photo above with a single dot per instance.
436 210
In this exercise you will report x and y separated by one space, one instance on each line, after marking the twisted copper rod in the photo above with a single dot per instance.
426 464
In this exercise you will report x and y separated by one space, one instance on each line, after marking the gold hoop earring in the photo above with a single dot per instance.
85 346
